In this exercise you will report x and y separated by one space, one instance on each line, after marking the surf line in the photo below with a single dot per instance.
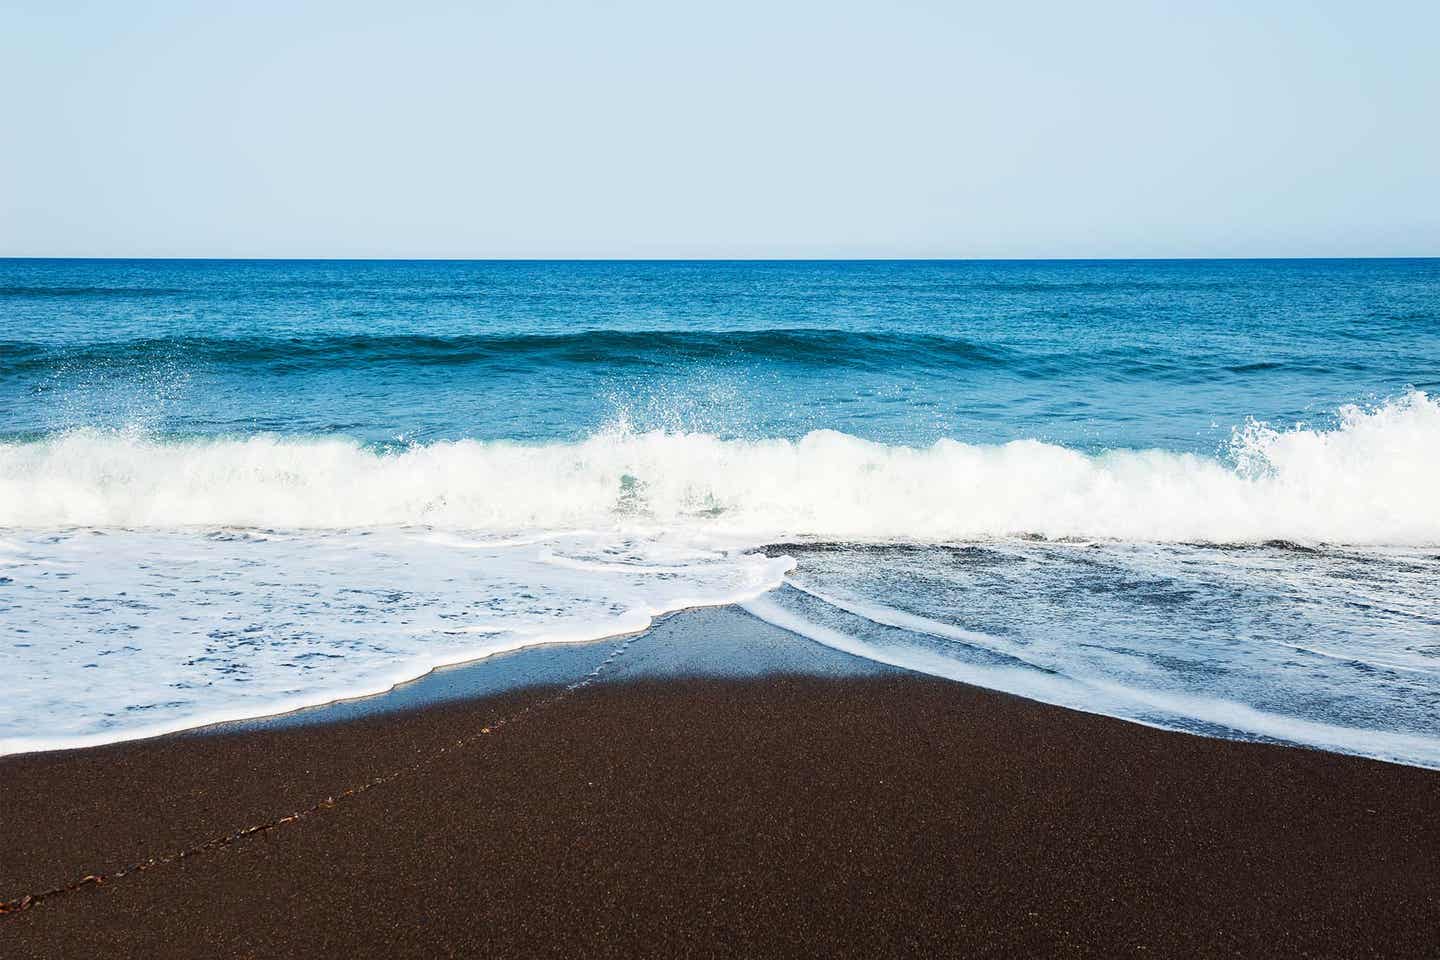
23 903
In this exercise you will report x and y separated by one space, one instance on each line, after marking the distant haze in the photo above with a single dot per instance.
803 129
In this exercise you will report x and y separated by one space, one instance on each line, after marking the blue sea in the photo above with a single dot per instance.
1202 495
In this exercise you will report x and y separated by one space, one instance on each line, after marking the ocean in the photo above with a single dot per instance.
1200 495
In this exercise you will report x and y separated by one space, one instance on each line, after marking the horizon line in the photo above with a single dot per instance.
313 259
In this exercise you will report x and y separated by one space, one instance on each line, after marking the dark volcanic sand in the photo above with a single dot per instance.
873 817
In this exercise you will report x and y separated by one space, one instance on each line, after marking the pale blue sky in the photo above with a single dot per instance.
636 129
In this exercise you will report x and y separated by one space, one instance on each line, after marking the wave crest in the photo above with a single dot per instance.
1369 480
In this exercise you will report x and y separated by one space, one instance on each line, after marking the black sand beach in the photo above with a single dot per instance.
680 809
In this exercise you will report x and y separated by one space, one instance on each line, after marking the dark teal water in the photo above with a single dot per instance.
1093 355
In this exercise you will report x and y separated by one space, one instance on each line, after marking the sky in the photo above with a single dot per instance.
738 129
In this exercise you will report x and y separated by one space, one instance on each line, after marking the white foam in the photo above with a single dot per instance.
122 634
889 616
1164 709
1369 480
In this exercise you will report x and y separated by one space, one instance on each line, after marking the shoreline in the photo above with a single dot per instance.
742 642
819 804
467 678
732 652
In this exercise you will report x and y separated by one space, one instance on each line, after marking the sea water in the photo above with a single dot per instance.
1203 495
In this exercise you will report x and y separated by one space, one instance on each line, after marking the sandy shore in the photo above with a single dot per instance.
685 807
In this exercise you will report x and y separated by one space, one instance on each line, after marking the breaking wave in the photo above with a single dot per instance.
1366 479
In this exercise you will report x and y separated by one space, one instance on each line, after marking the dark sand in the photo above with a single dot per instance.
875 814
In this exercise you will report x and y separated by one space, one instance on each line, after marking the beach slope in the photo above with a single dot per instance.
869 815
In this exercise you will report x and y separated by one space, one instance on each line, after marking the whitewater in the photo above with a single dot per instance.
1369 480
220 579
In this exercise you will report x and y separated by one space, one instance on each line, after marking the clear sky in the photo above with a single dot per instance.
672 129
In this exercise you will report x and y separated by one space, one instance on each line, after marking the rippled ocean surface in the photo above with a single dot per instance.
1198 494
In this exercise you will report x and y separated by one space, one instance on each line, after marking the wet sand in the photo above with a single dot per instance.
683 808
